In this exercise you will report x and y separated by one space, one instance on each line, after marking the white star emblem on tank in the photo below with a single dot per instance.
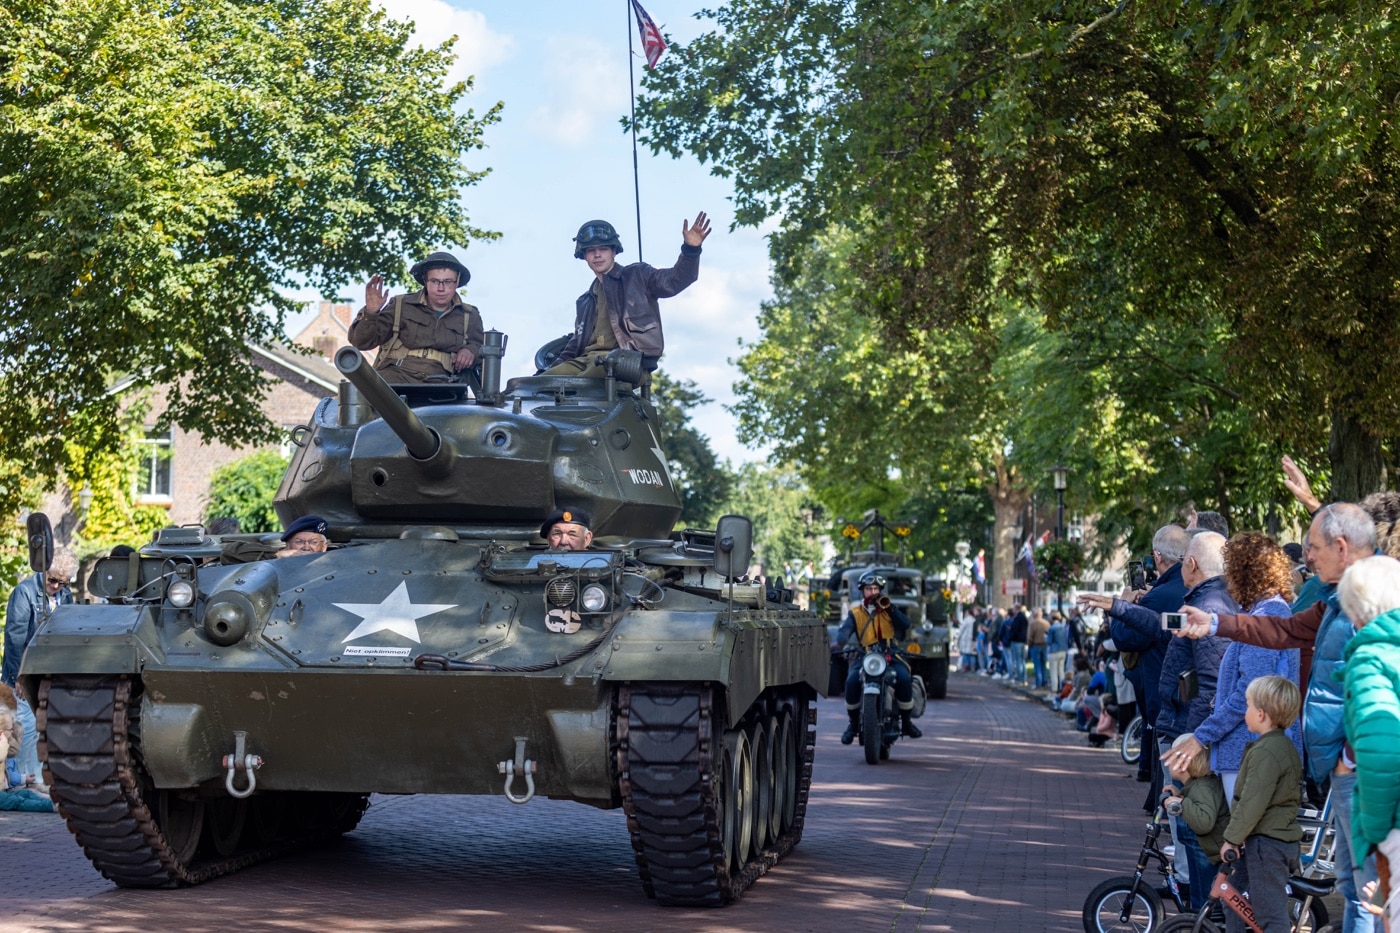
395 614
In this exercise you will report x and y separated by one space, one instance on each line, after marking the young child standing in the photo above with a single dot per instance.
1263 829
1200 801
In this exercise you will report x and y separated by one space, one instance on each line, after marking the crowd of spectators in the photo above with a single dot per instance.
1319 618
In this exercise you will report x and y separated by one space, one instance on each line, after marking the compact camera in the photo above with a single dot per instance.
1173 621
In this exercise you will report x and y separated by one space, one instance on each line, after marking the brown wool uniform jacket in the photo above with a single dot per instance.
420 328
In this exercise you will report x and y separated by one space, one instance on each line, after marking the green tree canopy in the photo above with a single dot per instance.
775 498
1226 170
167 169
702 481
244 490
959 429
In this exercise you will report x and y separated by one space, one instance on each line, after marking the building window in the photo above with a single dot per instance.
153 475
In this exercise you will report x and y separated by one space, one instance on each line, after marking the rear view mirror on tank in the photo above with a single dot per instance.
733 546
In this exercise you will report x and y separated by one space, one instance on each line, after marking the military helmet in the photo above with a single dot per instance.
440 260
596 233
871 578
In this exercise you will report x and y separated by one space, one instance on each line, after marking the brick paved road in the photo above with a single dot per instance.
999 819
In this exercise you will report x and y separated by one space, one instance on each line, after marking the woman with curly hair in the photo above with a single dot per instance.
1257 574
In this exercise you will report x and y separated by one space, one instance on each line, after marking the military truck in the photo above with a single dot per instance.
212 714
920 598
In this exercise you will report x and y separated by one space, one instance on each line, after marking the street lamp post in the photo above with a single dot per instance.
1060 473
962 548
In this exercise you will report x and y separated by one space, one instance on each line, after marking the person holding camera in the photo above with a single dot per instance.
877 621
1141 639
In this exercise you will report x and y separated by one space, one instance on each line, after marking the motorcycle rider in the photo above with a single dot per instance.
874 623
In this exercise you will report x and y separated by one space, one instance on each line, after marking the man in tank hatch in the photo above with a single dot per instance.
620 310
567 530
429 335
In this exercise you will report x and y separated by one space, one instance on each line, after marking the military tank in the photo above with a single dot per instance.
206 717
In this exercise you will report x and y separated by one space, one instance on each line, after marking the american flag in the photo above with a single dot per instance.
652 44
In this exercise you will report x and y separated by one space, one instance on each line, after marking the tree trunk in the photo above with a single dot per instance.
1009 500
1358 467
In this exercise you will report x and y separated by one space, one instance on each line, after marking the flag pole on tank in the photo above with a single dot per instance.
653 45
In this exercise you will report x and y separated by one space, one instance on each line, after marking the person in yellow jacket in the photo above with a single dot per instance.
870 624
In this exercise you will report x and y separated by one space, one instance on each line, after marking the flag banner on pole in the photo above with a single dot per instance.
652 44
979 566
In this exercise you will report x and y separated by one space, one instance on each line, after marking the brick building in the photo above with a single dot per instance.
178 464
329 330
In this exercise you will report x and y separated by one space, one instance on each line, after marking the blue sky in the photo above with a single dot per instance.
558 157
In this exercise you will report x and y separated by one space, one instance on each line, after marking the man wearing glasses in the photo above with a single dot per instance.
427 336
620 309
30 604
306 535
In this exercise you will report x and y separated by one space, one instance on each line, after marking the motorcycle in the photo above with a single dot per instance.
879 715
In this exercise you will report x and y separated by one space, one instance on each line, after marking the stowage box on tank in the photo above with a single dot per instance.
196 723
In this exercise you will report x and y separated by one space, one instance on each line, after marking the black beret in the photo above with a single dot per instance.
572 516
306 523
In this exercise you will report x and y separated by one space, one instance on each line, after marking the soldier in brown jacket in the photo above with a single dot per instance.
427 336
620 308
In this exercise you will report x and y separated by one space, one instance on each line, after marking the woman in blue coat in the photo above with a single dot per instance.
1258 577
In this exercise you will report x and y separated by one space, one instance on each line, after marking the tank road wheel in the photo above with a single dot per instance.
180 816
224 821
871 728
785 776
738 801
764 731
689 793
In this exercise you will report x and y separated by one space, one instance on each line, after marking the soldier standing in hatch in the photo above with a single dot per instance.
425 336
620 310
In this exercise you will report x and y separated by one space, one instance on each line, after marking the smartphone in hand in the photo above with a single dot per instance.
1173 621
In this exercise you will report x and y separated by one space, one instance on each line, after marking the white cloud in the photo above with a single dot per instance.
478 47
584 80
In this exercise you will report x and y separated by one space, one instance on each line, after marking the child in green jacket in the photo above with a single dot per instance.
1263 829
1200 801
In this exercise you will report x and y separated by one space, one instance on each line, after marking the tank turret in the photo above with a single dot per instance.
195 722
497 464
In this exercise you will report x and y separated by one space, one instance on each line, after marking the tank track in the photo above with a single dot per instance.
89 730
666 753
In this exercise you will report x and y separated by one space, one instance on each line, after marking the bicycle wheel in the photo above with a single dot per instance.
1317 915
1103 908
1130 748
1186 923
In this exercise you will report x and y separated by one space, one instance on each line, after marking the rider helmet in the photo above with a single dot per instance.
871 578
596 233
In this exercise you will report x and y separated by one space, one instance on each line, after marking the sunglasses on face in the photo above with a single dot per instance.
56 581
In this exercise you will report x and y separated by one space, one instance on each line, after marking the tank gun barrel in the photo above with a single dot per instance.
423 442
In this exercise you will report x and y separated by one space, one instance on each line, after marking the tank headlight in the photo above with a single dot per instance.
874 664
180 594
561 592
595 598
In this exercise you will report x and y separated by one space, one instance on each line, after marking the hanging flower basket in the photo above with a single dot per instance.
1058 564
965 593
